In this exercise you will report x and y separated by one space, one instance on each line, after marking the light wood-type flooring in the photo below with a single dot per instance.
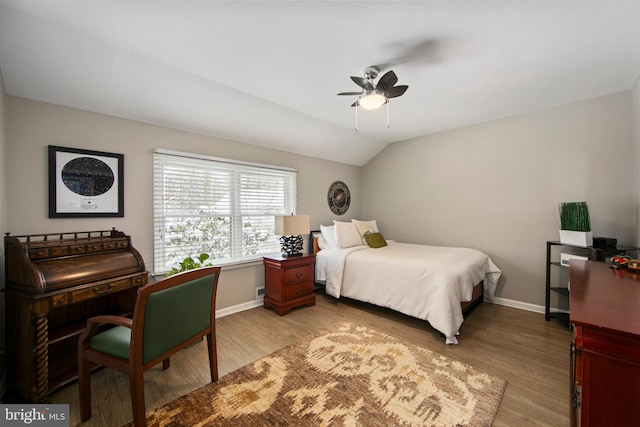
519 346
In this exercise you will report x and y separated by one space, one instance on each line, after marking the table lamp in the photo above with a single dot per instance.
291 228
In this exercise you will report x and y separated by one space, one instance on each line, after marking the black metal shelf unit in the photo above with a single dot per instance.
561 285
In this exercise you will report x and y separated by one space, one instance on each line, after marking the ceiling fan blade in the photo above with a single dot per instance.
350 93
362 82
396 91
355 104
387 81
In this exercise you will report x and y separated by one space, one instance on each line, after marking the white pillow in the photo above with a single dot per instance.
322 244
364 226
346 234
329 235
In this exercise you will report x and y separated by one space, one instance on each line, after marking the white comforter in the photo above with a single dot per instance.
427 282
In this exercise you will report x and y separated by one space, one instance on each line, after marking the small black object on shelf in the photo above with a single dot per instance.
605 242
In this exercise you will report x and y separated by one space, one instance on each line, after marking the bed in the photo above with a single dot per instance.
435 283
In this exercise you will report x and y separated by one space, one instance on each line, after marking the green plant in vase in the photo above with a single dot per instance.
575 216
575 224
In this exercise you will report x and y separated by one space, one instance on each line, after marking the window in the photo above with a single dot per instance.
215 206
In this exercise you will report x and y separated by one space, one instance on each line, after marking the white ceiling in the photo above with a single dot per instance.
267 73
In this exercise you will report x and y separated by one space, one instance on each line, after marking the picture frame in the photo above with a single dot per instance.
85 183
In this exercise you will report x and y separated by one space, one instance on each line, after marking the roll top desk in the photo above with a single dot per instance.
54 282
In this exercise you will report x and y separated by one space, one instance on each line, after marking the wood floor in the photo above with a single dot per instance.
518 346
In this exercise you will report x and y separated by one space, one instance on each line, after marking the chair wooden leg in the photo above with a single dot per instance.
136 383
84 387
213 356
166 363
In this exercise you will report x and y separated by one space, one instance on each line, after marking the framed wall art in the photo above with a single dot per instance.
84 183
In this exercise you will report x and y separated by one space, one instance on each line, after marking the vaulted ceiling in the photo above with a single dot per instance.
267 73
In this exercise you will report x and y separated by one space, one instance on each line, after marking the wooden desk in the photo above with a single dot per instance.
54 282
605 371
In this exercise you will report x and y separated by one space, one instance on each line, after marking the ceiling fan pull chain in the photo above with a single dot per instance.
388 125
356 129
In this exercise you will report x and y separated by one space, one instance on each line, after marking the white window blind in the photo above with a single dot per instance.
215 206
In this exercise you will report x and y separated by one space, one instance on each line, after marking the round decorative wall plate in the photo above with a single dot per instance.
339 198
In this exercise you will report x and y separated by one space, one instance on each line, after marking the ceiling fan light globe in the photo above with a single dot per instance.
372 100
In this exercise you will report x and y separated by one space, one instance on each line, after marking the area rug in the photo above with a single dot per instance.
346 375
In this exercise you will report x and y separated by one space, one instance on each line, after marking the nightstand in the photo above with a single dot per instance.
288 282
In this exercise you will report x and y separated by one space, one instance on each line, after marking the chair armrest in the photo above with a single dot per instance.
114 320
93 323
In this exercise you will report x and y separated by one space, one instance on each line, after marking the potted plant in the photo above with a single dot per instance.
190 264
575 224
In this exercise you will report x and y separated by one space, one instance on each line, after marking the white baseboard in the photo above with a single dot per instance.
238 308
496 300
517 304
522 305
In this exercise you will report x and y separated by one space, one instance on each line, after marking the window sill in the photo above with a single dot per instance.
226 265
232 265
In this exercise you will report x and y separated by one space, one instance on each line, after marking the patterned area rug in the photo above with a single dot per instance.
346 375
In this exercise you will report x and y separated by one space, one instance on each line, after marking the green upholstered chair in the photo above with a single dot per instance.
168 316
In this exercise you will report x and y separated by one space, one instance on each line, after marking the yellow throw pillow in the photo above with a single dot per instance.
375 240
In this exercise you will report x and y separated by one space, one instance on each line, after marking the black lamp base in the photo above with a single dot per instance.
291 245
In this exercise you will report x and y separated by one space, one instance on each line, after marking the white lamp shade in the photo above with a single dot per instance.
292 225
372 100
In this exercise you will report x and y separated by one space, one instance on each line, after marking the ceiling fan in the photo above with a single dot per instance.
374 96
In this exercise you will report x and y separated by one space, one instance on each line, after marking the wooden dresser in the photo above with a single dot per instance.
54 282
288 282
605 368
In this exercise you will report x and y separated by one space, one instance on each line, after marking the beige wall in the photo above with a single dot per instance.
636 135
493 186
496 186
32 126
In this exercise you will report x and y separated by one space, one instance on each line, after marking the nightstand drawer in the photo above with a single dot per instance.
298 274
299 290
